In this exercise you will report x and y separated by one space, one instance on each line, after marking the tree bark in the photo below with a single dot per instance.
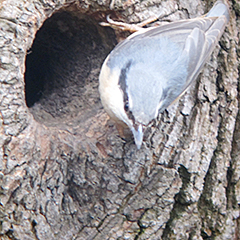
64 171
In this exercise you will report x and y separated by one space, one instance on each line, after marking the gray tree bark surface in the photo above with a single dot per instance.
64 171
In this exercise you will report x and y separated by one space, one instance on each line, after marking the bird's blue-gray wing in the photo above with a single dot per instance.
197 37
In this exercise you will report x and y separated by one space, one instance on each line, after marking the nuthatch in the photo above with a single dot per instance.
151 68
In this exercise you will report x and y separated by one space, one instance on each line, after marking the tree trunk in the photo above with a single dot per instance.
65 172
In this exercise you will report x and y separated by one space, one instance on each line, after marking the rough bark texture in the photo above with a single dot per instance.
65 173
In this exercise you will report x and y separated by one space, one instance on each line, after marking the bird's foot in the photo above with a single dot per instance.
126 26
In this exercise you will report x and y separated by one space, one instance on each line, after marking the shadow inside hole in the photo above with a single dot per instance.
62 67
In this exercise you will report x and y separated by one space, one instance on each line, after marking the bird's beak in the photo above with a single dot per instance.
138 135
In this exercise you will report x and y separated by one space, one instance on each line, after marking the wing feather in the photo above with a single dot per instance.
205 42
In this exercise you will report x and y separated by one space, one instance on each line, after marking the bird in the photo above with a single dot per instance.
150 69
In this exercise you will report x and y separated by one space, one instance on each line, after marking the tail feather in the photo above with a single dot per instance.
219 9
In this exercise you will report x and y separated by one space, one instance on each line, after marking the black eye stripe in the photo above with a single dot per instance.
122 80
123 86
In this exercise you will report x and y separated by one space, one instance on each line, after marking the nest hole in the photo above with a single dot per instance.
62 67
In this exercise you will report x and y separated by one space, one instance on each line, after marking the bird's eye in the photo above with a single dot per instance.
126 107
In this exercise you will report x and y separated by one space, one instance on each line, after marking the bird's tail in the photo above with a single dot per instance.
219 9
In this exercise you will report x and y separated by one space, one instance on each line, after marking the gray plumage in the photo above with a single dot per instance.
155 66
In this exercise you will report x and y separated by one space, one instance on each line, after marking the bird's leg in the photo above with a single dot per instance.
126 26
